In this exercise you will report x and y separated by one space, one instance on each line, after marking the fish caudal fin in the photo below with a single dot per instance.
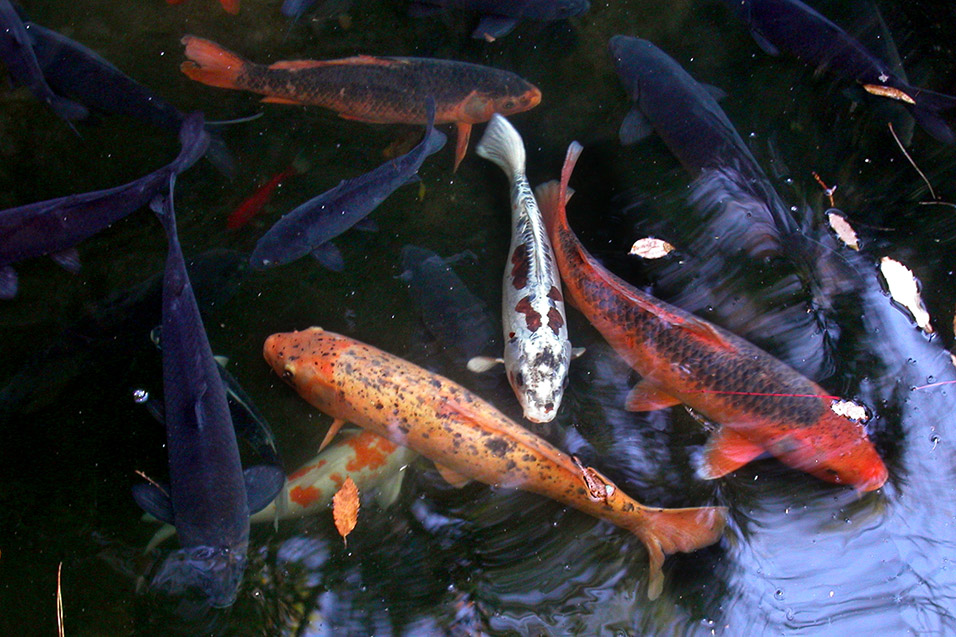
502 145
927 113
553 196
666 531
210 63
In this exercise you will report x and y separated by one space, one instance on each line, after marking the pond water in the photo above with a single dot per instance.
799 556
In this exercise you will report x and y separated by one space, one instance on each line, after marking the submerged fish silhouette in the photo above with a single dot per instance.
762 404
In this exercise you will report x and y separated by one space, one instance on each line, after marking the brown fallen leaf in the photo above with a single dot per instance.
345 508
888 91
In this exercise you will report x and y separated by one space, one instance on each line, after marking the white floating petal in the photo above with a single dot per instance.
904 289
650 248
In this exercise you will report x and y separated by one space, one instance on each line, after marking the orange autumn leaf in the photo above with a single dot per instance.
345 507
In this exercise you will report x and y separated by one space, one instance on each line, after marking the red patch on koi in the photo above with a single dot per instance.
306 469
304 496
555 295
554 320
531 317
337 479
520 267
371 451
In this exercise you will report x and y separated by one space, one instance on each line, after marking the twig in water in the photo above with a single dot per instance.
910 160
151 481
60 630
827 190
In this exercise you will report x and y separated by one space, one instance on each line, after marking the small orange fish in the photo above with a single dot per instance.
253 204
468 438
762 404
382 90
231 6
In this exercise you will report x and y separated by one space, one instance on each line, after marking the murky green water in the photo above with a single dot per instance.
799 557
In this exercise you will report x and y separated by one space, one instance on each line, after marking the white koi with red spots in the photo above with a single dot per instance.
373 463
537 351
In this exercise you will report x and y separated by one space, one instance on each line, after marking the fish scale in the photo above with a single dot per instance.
468 438
761 403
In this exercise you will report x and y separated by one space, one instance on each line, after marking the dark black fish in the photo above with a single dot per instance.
452 314
209 500
21 63
77 71
499 17
310 227
790 25
53 227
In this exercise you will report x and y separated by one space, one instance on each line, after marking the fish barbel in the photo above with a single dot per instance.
761 403
537 351
468 438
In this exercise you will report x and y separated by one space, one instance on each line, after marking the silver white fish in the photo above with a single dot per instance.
537 351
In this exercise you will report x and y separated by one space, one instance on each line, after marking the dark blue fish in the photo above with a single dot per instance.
209 500
499 17
790 25
53 227
460 321
21 63
77 71
310 227
295 9
685 114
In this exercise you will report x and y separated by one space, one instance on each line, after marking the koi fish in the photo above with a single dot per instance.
254 203
500 17
792 26
23 67
209 498
55 226
377 90
468 438
230 6
762 404
537 351
310 227
371 461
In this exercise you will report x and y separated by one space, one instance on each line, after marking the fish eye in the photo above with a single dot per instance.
509 104
519 379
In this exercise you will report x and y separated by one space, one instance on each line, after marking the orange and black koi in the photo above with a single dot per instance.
378 90
762 404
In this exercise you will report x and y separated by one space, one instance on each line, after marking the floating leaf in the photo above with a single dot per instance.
888 91
905 290
843 230
651 248
345 507
849 409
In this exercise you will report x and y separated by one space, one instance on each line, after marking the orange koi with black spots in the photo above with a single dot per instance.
468 438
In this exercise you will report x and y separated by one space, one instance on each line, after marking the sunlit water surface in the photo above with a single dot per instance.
799 556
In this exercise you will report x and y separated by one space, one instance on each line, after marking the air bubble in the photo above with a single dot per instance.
140 396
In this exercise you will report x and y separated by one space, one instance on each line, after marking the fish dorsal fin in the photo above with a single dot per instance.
263 484
706 332
281 100
646 396
453 478
296 65
155 501
726 451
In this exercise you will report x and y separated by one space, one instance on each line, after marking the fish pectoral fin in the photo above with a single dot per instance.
68 259
334 428
461 144
726 451
480 364
263 484
491 27
154 500
389 490
706 332
766 45
8 283
272 99
222 361
366 225
715 91
329 256
635 127
162 534
577 352
646 396
453 478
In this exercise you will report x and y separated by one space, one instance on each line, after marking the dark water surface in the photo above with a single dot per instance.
799 557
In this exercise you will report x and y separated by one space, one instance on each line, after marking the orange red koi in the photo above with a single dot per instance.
762 404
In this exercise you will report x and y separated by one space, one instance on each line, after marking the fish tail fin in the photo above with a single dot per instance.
927 113
502 145
553 196
211 64
666 531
